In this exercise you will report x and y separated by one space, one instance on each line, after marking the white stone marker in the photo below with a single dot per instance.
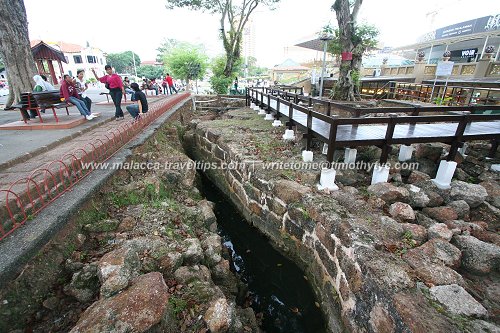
350 155
325 149
327 180
252 105
445 174
405 153
380 174
277 123
462 150
268 117
262 112
307 156
495 167
289 135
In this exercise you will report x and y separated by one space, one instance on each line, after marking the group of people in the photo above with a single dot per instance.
73 90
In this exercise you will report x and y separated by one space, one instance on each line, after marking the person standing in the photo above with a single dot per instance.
170 84
115 85
81 87
68 91
135 110
164 85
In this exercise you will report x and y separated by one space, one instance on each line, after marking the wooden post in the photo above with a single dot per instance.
329 109
494 147
457 143
52 71
61 70
331 140
386 147
290 116
309 130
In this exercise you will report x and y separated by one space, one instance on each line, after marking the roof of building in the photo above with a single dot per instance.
151 62
43 51
61 45
290 65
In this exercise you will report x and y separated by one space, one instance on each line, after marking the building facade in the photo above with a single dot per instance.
78 57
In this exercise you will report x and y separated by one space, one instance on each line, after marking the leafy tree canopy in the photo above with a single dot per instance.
150 71
186 61
167 45
123 62
364 38
234 15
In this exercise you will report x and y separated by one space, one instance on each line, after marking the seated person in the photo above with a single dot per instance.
40 85
126 85
68 91
135 110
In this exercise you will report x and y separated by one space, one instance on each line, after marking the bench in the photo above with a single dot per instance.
37 101
107 96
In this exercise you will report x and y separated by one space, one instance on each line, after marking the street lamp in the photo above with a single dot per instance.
325 37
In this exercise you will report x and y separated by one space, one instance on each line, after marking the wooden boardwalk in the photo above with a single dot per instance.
383 131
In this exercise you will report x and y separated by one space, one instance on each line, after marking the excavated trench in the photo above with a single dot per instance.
277 288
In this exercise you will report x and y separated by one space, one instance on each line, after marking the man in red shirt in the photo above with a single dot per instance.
68 91
115 85
170 84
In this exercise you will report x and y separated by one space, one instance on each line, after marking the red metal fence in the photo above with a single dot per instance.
27 196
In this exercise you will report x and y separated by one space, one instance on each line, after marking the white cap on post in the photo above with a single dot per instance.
289 135
380 174
445 174
327 180
307 156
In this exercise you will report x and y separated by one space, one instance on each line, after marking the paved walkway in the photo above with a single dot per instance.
55 145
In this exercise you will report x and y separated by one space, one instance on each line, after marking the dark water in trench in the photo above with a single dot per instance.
277 286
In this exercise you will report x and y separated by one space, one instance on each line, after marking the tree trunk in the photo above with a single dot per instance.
15 49
345 88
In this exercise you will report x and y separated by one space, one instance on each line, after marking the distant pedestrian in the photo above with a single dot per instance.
164 85
81 88
114 83
68 91
236 84
170 84
135 110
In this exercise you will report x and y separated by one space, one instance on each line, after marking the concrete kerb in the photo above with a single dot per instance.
17 249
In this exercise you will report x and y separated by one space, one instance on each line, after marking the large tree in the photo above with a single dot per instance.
347 13
234 15
150 71
186 61
15 49
364 38
123 62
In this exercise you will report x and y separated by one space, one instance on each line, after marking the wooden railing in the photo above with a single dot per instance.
378 131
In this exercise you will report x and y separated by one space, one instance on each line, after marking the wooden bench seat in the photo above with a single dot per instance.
38 101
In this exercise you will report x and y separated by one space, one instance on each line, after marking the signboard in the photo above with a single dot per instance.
466 53
444 68
482 24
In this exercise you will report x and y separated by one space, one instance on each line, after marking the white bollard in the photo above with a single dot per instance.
262 112
350 155
307 156
405 153
445 174
256 108
252 105
495 167
327 180
462 150
289 135
380 174
277 123
269 117
325 149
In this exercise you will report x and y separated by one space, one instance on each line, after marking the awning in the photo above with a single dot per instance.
43 51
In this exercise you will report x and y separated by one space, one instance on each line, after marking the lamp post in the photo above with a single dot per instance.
325 37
